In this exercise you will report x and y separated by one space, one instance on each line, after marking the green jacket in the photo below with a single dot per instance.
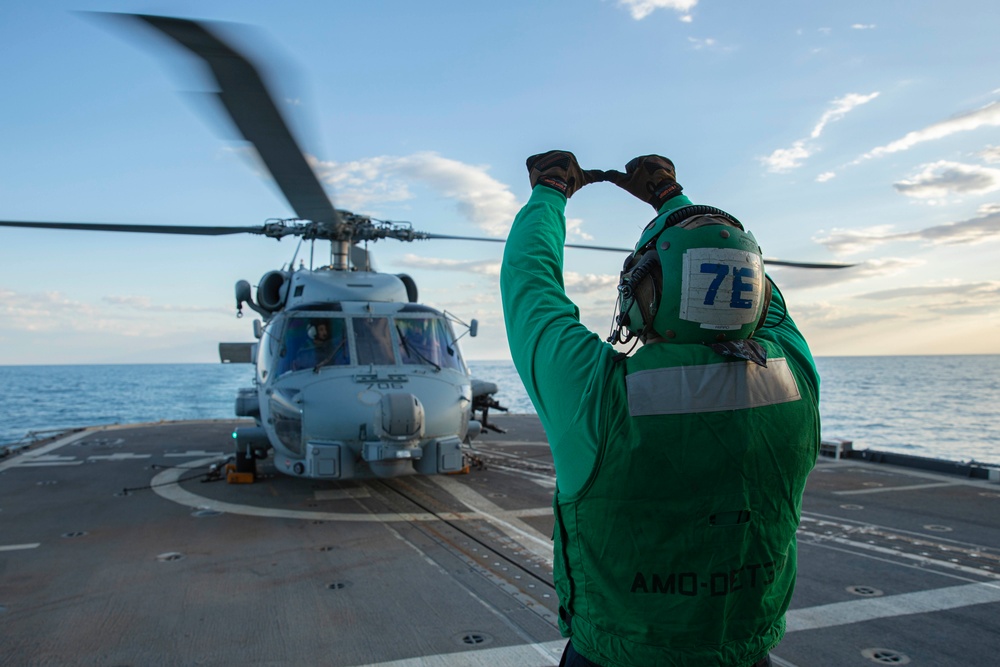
679 473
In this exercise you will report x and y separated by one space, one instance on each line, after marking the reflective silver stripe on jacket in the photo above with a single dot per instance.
731 385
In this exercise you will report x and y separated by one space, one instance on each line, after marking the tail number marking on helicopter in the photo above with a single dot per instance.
374 381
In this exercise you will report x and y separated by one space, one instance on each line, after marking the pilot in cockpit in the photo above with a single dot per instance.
325 344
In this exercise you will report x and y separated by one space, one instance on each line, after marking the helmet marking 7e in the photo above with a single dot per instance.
695 276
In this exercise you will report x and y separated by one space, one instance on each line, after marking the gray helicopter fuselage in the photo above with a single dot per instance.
354 381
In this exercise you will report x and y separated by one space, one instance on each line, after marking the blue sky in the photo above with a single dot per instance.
850 131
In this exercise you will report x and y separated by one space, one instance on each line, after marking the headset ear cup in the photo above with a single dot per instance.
627 264
634 320
638 293
765 306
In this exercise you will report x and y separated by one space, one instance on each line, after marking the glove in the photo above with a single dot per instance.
651 178
560 171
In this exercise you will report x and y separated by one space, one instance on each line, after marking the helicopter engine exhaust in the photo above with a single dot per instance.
272 290
411 287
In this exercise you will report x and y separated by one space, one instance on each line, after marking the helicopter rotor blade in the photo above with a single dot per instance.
807 265
246 99
450 237
773 262
141 229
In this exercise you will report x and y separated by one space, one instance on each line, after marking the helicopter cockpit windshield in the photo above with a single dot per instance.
315 340
426 341
373 339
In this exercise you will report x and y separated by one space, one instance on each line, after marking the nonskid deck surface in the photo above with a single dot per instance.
96 568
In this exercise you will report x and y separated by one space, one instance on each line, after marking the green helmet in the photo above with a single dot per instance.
695 277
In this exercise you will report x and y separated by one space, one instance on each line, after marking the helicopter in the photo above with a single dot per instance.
354 378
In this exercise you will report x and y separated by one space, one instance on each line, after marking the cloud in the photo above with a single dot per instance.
145 304
841 107
478 196
707 43
991 154
974 230
986 227
640 9
41 312
825 176
786 159
943 178
986 116
829 315
951 298
580 283
863 26
479 267
574 228
989 288
575 282
852 241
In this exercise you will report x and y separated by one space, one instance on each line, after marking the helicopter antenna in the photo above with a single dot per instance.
298 246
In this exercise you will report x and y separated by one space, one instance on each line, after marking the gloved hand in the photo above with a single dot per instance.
651 178
560 171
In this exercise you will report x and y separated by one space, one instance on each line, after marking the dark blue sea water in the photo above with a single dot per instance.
946 406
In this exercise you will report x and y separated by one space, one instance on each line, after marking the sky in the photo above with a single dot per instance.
863 132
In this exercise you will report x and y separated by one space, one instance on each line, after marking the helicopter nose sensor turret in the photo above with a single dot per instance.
401 430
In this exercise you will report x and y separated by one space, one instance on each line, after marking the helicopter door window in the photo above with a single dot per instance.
426 341
373 341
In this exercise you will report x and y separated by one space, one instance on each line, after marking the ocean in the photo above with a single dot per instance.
940 406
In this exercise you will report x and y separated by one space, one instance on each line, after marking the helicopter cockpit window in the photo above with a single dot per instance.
373 341
426 341
314 342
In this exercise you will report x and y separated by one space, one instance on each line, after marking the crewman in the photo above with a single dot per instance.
322 347
679 469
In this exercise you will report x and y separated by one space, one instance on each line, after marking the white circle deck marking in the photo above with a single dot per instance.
166 485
